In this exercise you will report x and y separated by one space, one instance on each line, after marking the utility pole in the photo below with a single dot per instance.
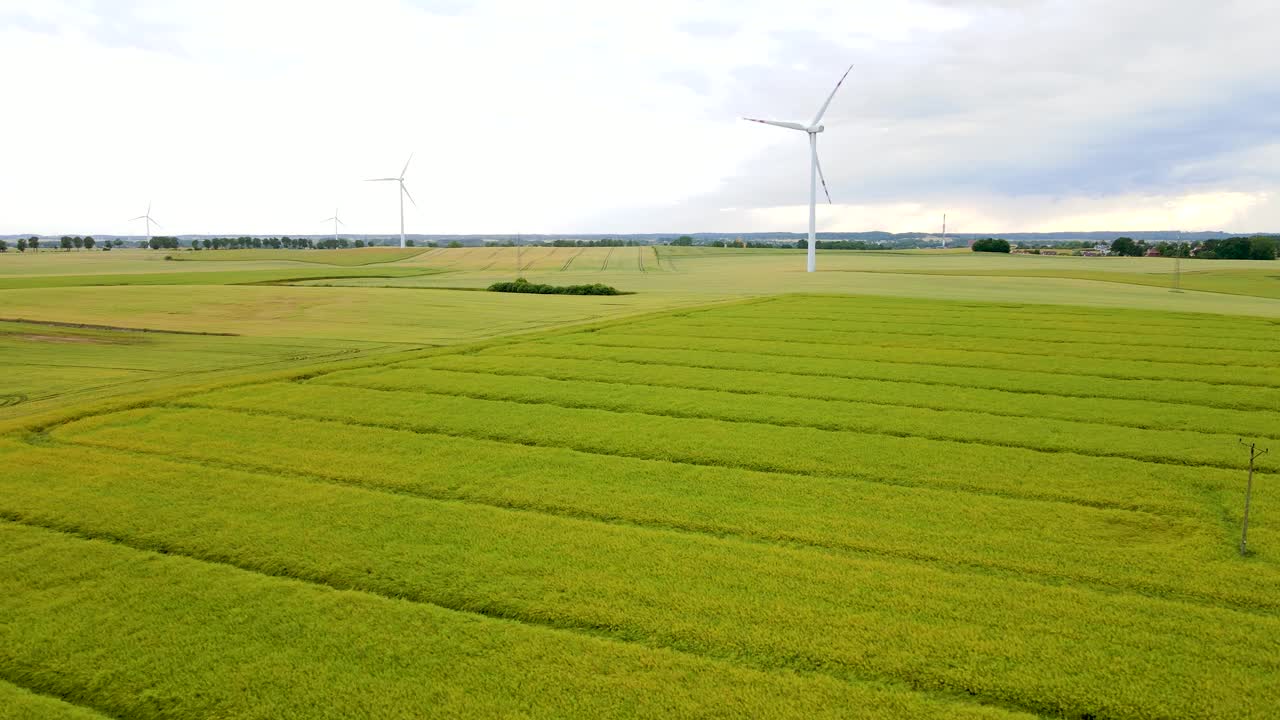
1254 454
944 231
1177 272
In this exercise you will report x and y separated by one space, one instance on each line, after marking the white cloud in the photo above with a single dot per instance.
260 116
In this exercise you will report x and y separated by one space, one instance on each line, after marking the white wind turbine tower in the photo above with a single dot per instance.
149 220
404 192
815 168
336 222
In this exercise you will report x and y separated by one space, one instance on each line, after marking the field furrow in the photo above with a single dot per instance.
993 361
1115 349
852 618
1128 550
1090 439
308 650
1028 328
1012 472
1180 392
890 393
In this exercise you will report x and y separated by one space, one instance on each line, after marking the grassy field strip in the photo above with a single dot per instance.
17 703
1261 284
809 304
65 365
808 610
1177 392
342 258
1047 331
569 262
1202 334
233 277
1241 376
961 313
1031 342
1009 472
994 403
1090 439
304 650
1125 550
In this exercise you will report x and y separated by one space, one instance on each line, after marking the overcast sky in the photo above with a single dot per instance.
261 116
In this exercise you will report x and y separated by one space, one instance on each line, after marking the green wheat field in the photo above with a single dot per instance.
347 484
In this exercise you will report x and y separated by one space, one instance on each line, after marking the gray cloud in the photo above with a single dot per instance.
1031 98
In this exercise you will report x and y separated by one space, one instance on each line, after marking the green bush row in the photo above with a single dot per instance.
520 285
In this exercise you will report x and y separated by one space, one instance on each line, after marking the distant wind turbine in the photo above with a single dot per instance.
404 192
336 221
149 220
815 167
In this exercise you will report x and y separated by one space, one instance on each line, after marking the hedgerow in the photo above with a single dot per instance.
520 285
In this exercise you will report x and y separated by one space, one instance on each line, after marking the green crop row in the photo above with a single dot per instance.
1033 343
1122 549
997 404
1029 327
233 277
149 636
1161 446
1011 472
820 368
1002 640
19 704
837 308
993 362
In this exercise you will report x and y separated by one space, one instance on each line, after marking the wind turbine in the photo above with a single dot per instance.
336 221
149 220
815 168
404 192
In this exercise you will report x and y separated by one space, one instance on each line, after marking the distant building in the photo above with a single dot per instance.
1152 252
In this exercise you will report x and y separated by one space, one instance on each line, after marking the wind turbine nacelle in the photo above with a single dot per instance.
817 128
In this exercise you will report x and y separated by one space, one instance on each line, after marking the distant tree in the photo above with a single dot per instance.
66 242
4 246
1234 248
89 242
33 242
22 244
682 241
408 243
359 243
1173 249
455 244
996 245
1262 247
1128 247
117 242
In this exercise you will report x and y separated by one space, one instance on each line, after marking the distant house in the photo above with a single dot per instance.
1152 252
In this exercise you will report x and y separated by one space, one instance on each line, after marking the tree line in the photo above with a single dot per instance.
1257 247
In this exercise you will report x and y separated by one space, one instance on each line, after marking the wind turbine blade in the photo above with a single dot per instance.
140 217
406 166
153 222
380 179
823 110
339 221
788 125
818 163
405 190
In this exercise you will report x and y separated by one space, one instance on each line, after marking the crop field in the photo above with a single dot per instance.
789 506
343 258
